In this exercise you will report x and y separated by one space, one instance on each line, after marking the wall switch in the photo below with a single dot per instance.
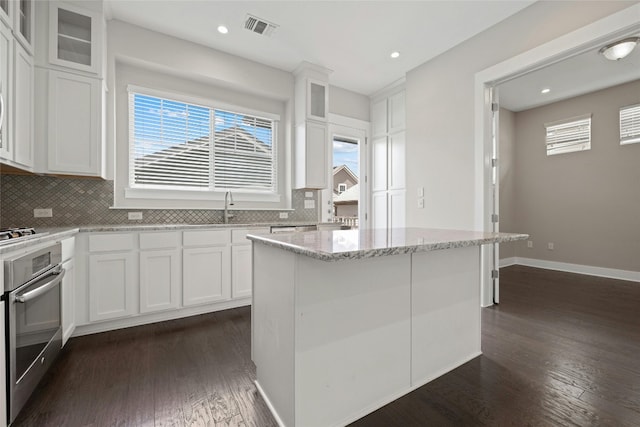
421 203
308 194
309 204
420 191
284 215
530 244
134 216
43 213
550 246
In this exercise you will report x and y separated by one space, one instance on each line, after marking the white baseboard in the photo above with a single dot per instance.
611 273
269 405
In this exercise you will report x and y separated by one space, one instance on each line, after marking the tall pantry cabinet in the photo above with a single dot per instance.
388 149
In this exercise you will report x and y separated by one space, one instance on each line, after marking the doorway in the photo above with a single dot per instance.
345 199
591 37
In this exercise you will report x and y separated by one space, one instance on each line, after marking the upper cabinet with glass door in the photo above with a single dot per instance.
19 15
6 12
75 37
317 100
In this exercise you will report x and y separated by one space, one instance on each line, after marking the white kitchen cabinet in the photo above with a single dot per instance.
241 262
206 275
159 271
6 72
23 24
6 12
396 161
379 117
68 300
68 289
75 37
388 156
396 121
159 280
317 102
112 276
311 155
22 96
74 140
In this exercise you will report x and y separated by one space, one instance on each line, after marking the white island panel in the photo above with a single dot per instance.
445 308
352 320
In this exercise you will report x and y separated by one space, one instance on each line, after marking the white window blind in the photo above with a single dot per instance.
568 135
171 147
630 124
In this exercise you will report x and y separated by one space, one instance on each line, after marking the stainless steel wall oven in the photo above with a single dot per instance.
32 282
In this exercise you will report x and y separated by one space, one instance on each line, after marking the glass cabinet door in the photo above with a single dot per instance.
74 37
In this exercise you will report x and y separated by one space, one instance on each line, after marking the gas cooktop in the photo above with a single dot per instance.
17 234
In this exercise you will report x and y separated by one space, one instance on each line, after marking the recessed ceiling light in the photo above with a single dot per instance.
222 29
545 90
620 49
395 54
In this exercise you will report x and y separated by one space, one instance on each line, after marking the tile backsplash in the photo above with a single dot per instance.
80 201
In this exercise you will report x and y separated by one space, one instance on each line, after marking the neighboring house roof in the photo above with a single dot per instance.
350 196
345 168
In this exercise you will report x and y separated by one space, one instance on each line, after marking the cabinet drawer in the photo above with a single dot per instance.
205 237
240 236
163 240
110 242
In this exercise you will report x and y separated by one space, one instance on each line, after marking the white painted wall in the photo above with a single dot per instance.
440 107
349 104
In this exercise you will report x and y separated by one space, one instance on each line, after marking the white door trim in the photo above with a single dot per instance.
624 22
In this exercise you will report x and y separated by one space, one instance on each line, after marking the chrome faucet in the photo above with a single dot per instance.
228 201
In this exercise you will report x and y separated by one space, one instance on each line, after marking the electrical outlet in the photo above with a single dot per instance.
284 215
421 203
133 216
310 204
420 191
308 194
43 213
550 246
530 244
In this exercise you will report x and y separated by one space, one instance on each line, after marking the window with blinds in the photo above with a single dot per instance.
630 124
570 135
181 146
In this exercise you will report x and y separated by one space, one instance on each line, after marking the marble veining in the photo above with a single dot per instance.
339 245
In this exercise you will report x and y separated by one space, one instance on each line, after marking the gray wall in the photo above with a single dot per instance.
349 104
586 203
440 107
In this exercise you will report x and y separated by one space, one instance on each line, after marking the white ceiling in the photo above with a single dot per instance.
352 38
579 75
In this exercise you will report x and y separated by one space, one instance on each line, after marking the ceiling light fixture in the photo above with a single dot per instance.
620 49
222 29
394 55
545 90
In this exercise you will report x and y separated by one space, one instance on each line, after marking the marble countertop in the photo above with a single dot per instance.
355 244
43 235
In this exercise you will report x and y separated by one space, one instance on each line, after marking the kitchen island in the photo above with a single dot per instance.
344 322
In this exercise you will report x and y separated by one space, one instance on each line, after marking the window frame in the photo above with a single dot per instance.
585 146
203 194
636 138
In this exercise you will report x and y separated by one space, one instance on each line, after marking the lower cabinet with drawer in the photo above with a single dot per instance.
132 278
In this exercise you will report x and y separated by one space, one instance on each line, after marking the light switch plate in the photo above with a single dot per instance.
284 215
43 213
420 191
308 194
309 204
421 203
134 216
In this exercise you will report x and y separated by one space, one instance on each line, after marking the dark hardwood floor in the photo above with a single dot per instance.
561 349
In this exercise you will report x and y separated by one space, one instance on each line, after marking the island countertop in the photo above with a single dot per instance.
338 245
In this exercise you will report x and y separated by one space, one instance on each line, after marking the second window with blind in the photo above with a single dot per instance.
203 149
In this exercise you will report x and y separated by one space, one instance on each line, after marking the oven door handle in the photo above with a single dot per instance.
34 293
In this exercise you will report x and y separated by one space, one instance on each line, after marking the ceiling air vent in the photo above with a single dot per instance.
259 25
